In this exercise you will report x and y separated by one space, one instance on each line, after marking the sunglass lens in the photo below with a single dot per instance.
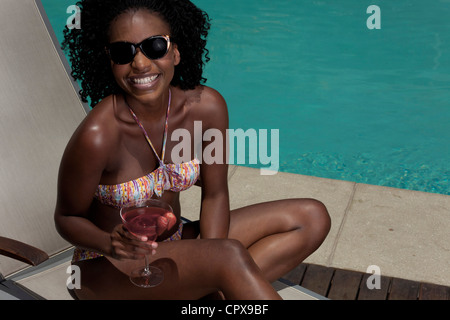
121 52
155 48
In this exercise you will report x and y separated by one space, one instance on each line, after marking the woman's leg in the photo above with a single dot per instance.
279 235
192 269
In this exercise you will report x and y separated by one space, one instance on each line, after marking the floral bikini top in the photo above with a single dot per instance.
173 177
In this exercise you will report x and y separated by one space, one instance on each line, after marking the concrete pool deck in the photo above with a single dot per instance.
405 233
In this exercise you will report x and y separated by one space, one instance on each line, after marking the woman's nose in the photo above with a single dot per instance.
141 62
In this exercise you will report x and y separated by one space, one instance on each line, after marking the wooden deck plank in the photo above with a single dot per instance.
402 289
296 275
374 294
317 279
345 285
340 284
429 291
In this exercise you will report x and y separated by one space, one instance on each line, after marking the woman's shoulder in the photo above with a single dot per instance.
99 129
101 117
206 102
208 97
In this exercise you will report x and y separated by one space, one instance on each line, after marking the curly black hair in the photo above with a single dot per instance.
85 47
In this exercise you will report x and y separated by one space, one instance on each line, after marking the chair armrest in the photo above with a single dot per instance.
21 251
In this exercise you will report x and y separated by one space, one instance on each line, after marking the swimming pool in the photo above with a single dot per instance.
370 106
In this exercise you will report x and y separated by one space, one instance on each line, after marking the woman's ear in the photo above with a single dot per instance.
176 55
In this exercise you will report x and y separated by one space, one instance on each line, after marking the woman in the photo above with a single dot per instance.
140 62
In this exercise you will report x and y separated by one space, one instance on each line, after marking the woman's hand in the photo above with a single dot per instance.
125 245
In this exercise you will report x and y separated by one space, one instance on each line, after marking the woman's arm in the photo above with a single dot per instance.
215 207
81 167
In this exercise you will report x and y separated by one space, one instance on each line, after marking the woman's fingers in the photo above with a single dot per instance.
128 246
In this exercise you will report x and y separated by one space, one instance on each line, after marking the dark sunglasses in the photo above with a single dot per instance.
153 48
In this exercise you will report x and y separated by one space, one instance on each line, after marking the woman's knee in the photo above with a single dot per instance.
234 250
231 255
235 255
314 215
320 218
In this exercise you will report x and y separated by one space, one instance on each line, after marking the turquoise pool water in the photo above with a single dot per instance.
370 106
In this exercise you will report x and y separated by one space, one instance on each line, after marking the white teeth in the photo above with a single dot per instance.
145 80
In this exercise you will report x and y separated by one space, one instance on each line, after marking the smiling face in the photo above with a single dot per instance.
143 79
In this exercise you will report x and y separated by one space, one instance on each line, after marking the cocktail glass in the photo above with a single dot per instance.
141 219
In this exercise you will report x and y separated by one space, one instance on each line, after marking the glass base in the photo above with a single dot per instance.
147 278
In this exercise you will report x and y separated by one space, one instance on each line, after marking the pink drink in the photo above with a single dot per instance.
143 221
147 218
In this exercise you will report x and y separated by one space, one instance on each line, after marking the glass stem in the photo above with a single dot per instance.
147 268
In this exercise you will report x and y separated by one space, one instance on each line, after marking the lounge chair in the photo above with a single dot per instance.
40 110
38 114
